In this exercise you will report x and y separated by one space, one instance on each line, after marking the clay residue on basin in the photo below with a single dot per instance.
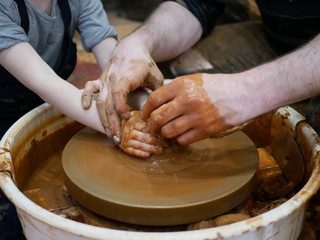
41 166
46 174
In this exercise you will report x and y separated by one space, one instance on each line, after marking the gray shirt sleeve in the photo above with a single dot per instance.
88 16
11 32
93 24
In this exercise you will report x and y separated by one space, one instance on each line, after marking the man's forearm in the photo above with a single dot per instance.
288 79
169 31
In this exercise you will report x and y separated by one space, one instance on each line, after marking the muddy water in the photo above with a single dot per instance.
41 167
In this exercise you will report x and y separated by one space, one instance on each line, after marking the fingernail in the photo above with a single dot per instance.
108 132
116 139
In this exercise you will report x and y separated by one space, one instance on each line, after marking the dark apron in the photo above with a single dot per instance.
289 23
15 99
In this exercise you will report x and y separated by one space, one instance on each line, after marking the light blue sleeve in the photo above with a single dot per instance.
93 24
11 32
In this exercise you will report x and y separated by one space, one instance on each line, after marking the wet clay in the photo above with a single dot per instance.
184 185
137 139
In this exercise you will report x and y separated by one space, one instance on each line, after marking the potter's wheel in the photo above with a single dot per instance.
185 185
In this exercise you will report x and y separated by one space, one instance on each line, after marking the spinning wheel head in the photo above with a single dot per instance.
196 182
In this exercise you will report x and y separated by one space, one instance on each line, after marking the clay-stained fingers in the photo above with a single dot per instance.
190 136
120 102
138 140
165 114
159 97
149 138
114 121
136 152
140 146
178 126
120 95
90 88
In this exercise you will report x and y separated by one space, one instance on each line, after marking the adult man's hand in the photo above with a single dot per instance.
130 67
197 106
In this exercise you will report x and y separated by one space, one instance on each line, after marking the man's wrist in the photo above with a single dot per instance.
138 42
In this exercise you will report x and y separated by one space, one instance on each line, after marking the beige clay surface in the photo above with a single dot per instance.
184 185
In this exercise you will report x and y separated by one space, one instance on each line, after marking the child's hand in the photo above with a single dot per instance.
138 140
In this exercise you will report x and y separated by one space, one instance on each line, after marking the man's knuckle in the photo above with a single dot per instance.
109 108
152 99
112 78
155 118
100 103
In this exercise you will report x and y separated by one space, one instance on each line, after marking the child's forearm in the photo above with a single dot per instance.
103 51
67 99
25 64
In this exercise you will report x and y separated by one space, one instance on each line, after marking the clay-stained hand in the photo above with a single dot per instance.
138 140
193 107
130 67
